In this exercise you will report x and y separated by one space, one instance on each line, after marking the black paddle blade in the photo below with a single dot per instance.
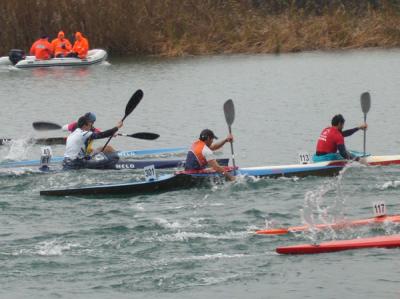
365 102
45 126
144 135
229 110
133 102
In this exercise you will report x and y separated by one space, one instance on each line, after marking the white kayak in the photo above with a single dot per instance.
94 56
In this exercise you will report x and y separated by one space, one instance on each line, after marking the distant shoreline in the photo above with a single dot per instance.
173 28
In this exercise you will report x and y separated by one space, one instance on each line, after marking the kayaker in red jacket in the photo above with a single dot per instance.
331 139
42 49
201 153
61 45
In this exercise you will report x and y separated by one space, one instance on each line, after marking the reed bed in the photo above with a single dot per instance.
197 27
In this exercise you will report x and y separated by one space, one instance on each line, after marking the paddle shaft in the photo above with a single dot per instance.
233 154
109 139
365 133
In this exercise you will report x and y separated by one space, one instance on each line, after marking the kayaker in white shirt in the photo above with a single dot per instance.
76 155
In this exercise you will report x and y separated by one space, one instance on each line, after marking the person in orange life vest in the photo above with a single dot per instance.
61 45
201 153
42 49
331 139
80 48
71 127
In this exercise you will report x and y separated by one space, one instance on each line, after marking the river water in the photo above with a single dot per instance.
199 243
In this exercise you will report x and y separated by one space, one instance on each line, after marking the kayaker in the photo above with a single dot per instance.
201 153
61 45
42 49
71 127
331 141
76 155
80 48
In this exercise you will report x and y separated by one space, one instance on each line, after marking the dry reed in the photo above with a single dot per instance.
193 27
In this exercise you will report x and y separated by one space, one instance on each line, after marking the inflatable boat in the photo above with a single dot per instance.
19 60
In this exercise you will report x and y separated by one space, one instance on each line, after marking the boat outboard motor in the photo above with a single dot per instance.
16 55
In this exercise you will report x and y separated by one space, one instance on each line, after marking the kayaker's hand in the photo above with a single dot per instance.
119 124
363 127
229 138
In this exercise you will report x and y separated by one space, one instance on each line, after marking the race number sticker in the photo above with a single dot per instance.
150 173
46 154
304 158
379 208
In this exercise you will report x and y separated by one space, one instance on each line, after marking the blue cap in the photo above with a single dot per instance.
90 116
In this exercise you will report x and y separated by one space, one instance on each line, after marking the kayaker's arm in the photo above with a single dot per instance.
104 134
350 132
343 152
108 133
214 165
218 145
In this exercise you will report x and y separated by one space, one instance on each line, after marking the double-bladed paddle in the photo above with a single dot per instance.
229 111
133 102
365 106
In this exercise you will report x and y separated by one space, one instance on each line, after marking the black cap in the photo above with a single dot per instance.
337 119
206 133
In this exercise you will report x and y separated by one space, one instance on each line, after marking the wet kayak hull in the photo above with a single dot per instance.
334 246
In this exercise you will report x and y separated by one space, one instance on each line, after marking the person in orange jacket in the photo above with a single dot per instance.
42 49
80 48
61 45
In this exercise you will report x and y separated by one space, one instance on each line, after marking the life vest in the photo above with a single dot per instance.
195 158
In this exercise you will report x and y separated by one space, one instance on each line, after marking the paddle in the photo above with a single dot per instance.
229 111
141 135
365 105
45 126
133 102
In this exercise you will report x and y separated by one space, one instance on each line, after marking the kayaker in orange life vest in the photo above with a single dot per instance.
61 45
80 48
331 139
201 153
42 49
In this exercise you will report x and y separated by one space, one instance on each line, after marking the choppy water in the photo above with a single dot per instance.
198 243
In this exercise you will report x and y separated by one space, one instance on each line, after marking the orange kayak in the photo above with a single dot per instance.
333 246
335 226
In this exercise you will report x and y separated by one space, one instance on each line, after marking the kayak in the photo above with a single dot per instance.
139 164
168 181
334 226
333 246
121 154
43 141
94 56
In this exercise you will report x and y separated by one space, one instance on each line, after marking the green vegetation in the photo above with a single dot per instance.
194 27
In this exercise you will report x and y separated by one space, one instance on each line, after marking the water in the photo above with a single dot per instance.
199 243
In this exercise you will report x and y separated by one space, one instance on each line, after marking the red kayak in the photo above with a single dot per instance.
333 246
335 226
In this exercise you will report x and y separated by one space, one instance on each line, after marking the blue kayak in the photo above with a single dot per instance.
121 154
